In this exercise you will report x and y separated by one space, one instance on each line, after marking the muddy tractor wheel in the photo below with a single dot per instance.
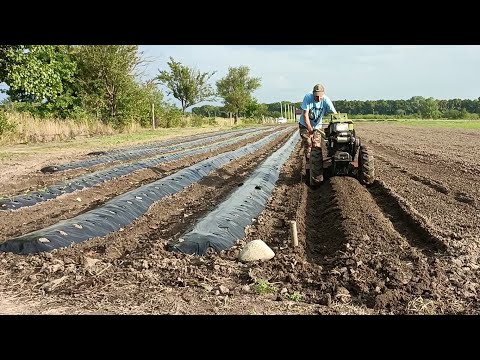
305 170
366 174
316 167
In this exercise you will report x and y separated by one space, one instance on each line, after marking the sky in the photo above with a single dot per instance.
351 72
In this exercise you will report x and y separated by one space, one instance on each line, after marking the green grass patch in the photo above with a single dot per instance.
263 287
296 296
451 124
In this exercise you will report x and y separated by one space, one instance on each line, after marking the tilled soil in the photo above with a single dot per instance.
408 244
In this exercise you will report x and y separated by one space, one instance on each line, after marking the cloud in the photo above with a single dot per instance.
348 71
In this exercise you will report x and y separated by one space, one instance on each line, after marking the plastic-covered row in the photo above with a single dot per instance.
124 209
221 228
141 151
98 177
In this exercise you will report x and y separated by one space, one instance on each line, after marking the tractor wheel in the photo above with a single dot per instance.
358 143
366 166
316 167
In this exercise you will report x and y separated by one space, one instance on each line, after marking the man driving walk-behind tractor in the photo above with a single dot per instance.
331 149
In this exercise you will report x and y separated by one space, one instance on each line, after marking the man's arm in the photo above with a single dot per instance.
306 114
330 106
307 121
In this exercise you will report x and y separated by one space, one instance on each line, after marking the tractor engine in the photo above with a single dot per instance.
341 143
345 154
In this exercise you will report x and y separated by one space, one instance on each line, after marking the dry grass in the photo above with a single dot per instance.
32 130
422 306
350 309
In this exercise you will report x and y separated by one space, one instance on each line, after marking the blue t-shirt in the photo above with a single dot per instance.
318 109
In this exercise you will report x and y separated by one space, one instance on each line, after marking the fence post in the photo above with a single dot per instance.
153 116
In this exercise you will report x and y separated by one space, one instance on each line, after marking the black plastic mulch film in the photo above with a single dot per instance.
98 177
124 209
140 151
221 228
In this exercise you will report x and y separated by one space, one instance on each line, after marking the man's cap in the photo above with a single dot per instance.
318 89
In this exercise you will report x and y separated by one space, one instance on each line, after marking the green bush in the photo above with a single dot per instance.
5 125
453 114
212 121
197 121
80 115
168 117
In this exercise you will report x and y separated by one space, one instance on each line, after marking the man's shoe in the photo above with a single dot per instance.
318 180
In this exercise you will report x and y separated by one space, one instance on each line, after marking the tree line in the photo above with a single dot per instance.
415 107
107 83
104 82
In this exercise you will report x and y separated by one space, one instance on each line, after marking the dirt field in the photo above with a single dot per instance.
409 244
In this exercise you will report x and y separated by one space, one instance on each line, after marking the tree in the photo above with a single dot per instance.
236 89
186 84
255 110
107 78
37 73
136 104
415 103
6 54
429 108
210 110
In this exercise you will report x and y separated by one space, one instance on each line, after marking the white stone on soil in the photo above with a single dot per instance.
256 250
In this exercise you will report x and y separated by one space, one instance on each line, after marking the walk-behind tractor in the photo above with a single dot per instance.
342 155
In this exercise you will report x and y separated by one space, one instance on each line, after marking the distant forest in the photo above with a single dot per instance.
416 107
